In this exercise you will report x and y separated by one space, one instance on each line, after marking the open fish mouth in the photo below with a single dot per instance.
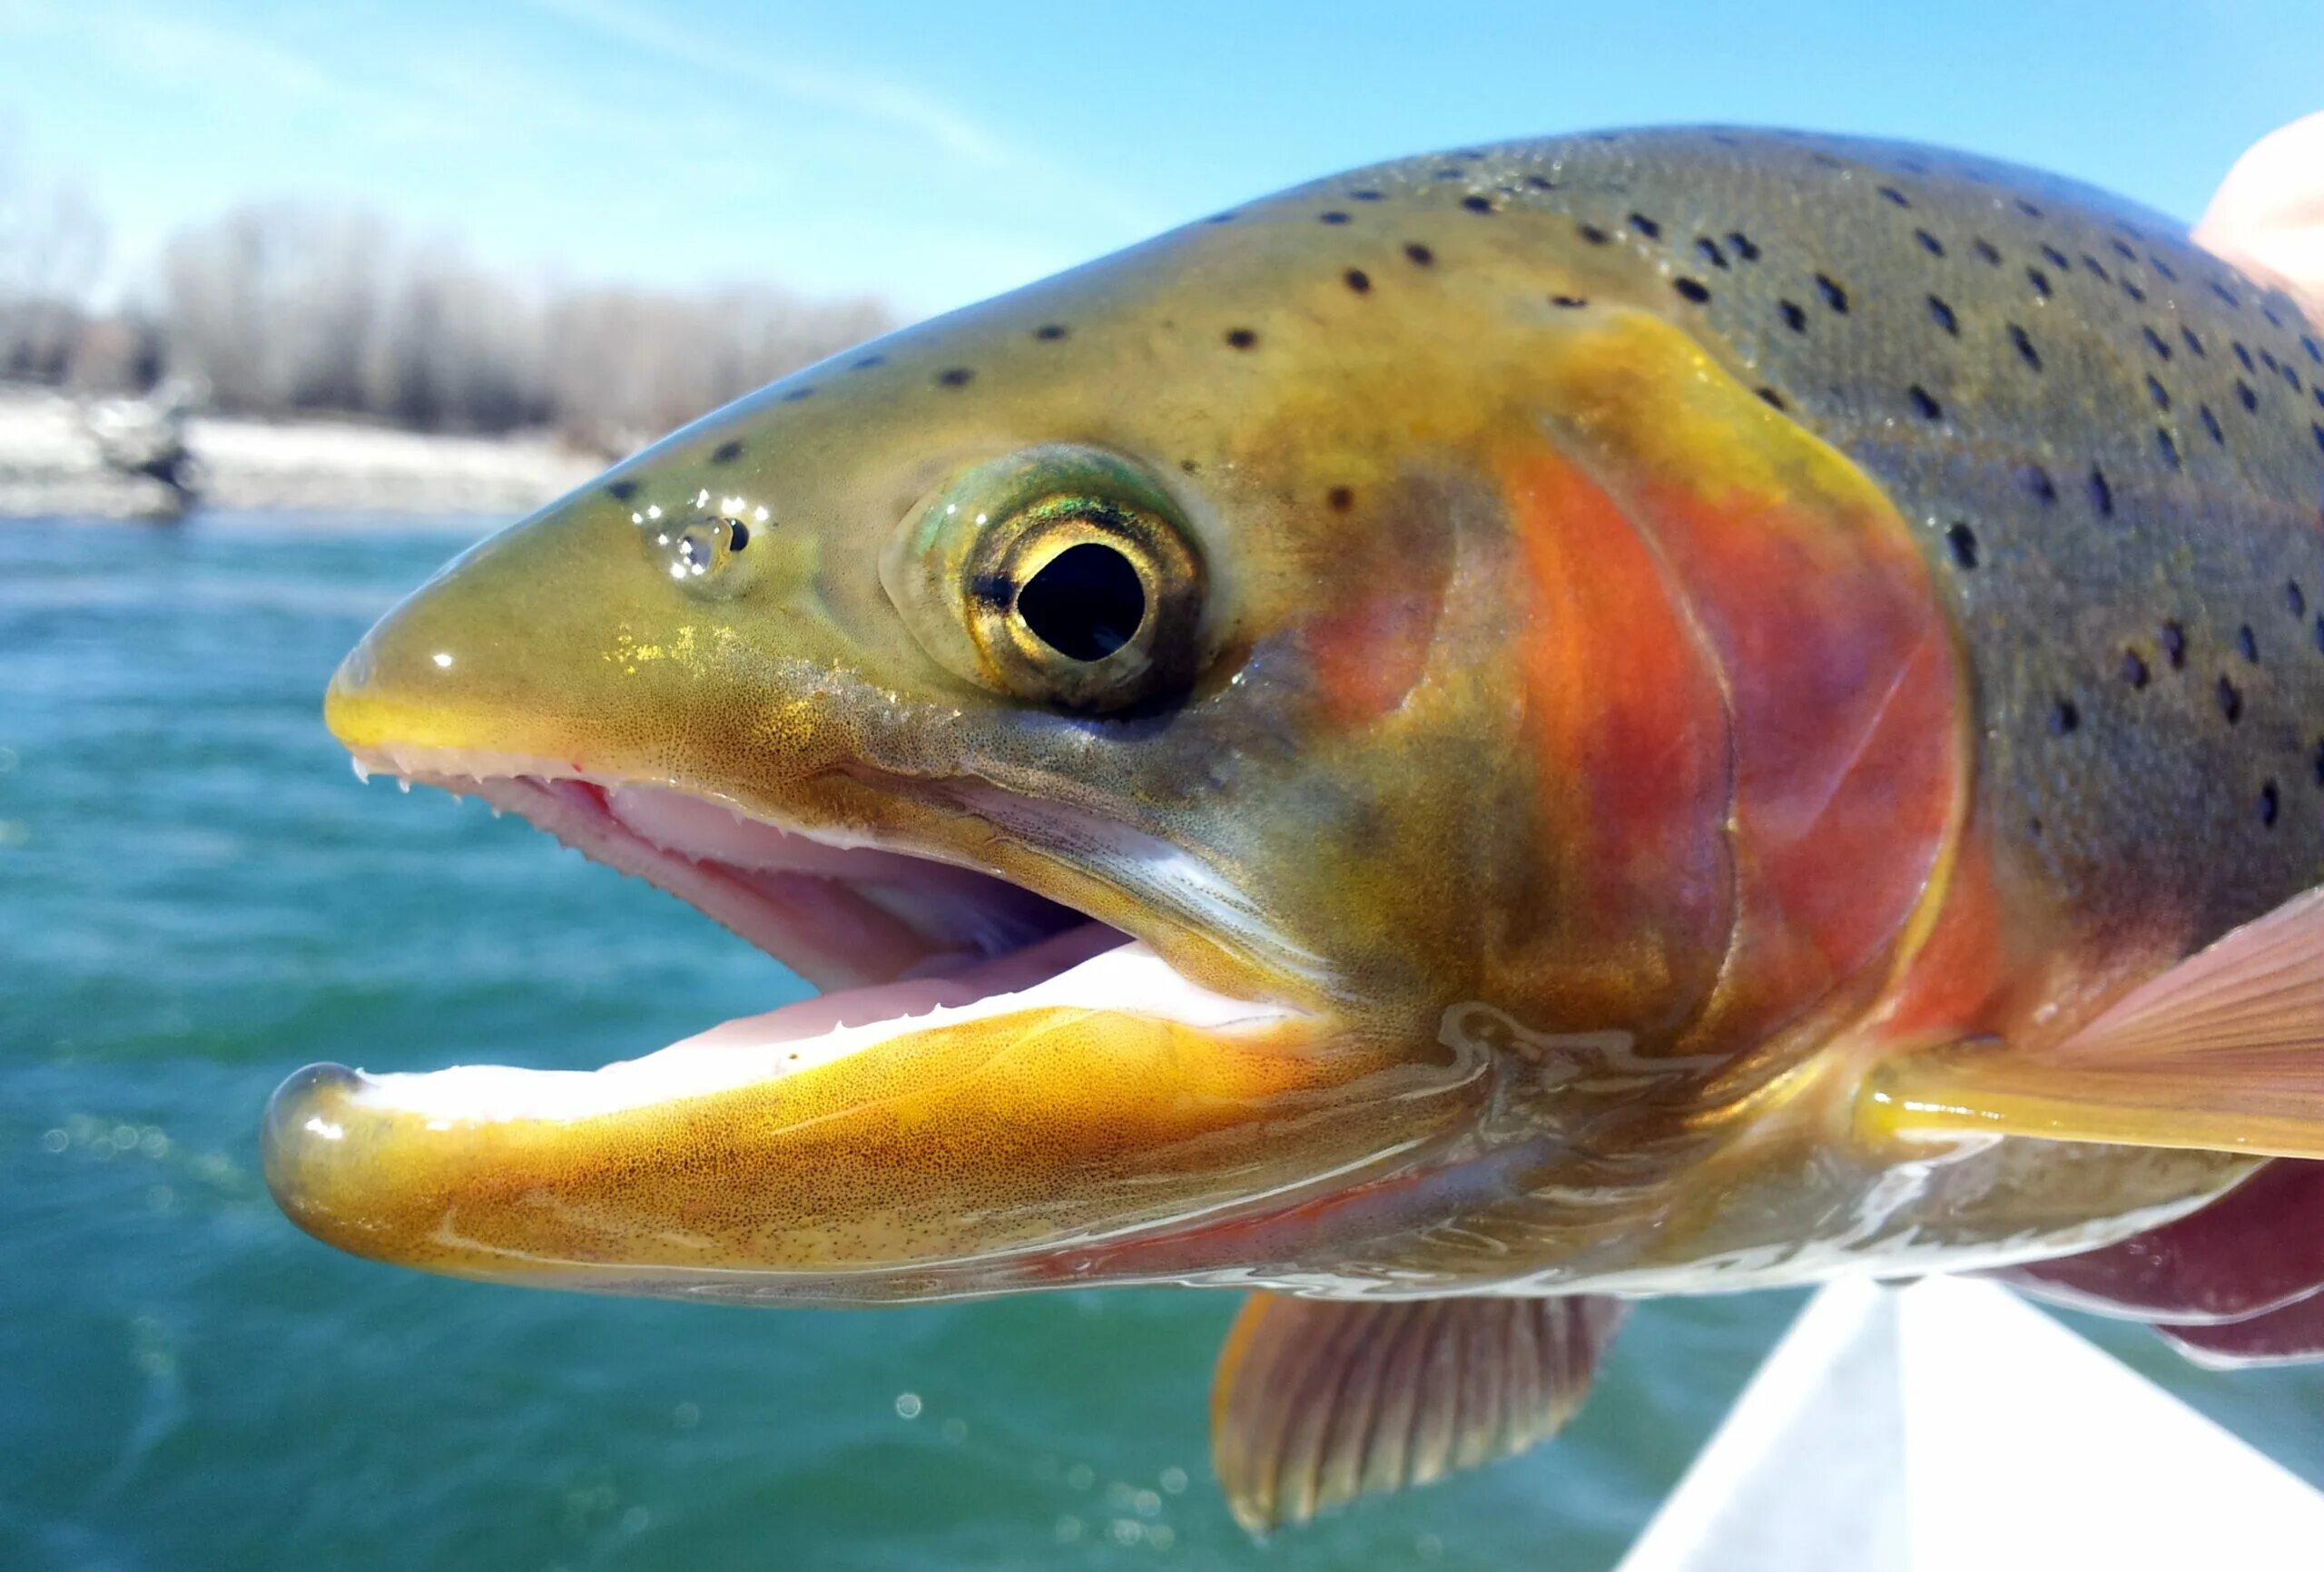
991 1086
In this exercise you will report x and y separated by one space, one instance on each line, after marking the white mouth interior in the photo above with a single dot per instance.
893 940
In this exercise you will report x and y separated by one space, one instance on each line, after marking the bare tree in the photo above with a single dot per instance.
52 250
289 309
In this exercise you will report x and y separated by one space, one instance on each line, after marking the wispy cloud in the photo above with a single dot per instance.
856 94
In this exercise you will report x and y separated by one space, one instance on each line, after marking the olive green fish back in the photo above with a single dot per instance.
2110 443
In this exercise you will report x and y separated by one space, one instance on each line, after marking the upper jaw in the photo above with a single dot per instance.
835 906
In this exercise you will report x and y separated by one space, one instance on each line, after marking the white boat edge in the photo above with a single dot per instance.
1951 1427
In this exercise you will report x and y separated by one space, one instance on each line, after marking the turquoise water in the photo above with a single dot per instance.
196 897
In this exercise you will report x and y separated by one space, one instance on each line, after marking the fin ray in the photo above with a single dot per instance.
2224 1052
1320 1400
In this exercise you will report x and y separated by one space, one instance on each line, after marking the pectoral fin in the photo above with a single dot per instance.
2223 1052
1317 1401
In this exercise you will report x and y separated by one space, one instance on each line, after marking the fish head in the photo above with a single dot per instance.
1101 690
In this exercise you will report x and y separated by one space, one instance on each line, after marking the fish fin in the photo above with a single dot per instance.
1317 1401
2288 1334
2224 1052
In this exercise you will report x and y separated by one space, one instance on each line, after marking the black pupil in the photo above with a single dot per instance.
1085 602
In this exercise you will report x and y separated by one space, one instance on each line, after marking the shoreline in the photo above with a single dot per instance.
50 466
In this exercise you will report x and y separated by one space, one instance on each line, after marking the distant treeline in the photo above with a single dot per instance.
286 309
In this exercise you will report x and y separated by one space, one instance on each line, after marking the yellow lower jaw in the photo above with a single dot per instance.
960 1140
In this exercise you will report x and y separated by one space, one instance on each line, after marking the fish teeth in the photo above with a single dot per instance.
362 773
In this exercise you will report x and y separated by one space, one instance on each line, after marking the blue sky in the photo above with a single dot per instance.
935 154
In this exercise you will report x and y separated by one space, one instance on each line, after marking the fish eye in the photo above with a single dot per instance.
702 551
1060 575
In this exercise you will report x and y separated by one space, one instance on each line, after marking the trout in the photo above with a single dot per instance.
1633 715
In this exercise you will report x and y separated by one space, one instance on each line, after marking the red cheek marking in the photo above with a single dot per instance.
1628 733
1844 692
1367 658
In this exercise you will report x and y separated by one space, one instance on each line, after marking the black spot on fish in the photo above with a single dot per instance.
622 491
2315 350
1049 332
955 377
2244 356
1365 196
726 452
2174 645
995 589
1742 245
2316 762
2028 209
2194 345
2226 295
2230 700
1222 218
869 361
1356 279
1772 399
1834 296
1646 226
1929 242
1333 217
1241 338
1985 251
1710 251
2247 643
2037 483
2167 445
2244 395
2066 720
2097 269
2057 259
1894 195
1924 405
1794 317
797 394
2211 425
2317 432
2295 598
1540 182
2134 670
1695 289
1944 316
1593 234
2133 292
2160 266
2160 394
2024 342
1571 302
1340 498
2039 280
2271 804
1963 542
2102 495
1477 204
2157 342
738 535
1420 254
